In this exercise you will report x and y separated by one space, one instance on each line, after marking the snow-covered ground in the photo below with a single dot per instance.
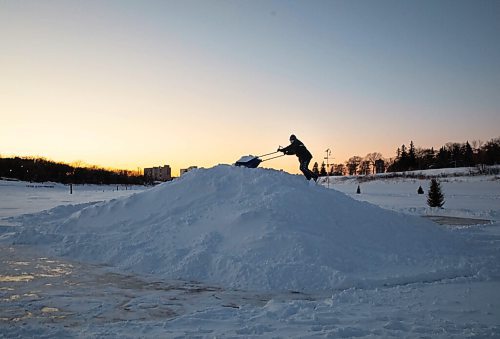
18 197
465 196
238 252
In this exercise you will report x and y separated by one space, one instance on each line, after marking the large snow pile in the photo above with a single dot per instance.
255 229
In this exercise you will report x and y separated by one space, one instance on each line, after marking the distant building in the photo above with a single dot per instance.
379 166
185 170
158 173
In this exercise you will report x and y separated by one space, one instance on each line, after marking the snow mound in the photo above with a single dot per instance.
254 229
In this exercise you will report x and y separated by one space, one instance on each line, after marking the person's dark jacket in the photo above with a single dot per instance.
297 148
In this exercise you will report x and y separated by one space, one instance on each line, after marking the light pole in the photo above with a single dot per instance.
328 153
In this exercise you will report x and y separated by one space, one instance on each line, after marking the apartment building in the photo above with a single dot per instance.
160 173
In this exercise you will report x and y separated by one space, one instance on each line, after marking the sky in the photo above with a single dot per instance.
134 84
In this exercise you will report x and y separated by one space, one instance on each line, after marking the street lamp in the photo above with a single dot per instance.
328 154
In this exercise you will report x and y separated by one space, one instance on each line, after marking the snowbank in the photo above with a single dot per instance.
254 229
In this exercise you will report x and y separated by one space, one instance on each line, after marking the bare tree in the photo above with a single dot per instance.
340 169
476 144
372 158
365 167
77 163
353 164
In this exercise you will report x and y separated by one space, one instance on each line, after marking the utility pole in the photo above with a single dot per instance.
328 153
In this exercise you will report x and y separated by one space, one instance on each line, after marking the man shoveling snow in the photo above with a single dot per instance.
299 149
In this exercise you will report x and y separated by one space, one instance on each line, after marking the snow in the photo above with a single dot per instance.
19 197
465 196
239 252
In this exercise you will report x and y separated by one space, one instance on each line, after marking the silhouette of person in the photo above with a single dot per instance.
299 149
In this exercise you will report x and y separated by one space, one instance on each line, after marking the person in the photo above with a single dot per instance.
299 149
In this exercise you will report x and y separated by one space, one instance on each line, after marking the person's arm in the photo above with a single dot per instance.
283 149
290 149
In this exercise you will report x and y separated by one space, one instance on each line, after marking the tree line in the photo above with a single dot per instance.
449 155
43 170
413 158
409 158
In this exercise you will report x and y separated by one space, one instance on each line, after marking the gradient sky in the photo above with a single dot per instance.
131 84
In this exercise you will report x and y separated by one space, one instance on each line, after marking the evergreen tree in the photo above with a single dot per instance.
315 168
322 171
491 152
331 172
443 158
428 159
435 197
403 161
468 155
412 158
456 155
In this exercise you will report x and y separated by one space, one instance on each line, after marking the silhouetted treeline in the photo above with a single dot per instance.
474 154
450 155
43 170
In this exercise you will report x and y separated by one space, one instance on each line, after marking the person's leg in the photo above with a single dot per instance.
313 175
304 164
304 167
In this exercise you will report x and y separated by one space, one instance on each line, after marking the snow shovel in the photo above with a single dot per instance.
252 161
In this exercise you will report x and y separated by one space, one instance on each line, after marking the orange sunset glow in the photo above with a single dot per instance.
139 84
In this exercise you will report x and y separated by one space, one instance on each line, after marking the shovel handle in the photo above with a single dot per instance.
282 155
263 155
